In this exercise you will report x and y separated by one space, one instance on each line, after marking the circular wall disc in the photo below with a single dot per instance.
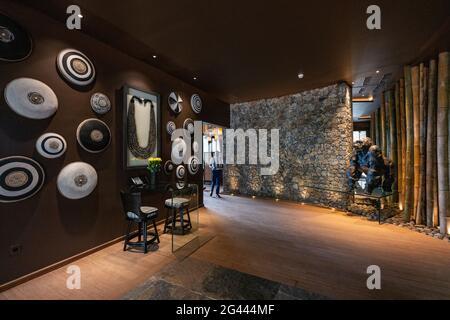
171 127
15 42
93 135
189 125
75 67
51 145
196 103
77 180
181 185
100 103
20 178
175 102
168 167
31 98
179 149
194 165
180 172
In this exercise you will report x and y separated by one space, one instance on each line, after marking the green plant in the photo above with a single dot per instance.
154 164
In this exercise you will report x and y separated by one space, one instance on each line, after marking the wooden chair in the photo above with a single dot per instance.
142 216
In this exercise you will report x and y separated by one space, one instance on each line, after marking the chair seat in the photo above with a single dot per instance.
177 202
147 212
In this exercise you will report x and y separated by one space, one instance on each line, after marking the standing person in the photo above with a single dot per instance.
216 170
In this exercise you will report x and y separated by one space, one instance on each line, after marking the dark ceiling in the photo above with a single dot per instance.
246 50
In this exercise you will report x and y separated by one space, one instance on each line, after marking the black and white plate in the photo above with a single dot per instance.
179 149
194 165
75 67
77 180
181 185
171 127
51 145
180 172
189 125
196 103
15 42
168 167
20 178
93 135
100 103
175 102
31 98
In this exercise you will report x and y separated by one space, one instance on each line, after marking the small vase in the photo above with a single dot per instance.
152 179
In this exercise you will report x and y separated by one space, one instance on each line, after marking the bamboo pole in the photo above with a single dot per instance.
393 140
409 171
431 172
372 126
383 125
416 118
423 104
403 125
377 127
442 140
398 139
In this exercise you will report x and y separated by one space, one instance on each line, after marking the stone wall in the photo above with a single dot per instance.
315 144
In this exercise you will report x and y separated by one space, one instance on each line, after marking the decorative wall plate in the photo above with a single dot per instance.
168 167
171 127
31 98
77 180
180 172
93 135
100 103
189 125
194 165
181 185
51 145
179 149
75 67
196 103
175 102
20 178
15 42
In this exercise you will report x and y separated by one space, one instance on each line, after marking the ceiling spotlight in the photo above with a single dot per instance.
301 75
195 78
378 71
155 56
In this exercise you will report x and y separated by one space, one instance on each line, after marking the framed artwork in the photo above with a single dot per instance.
141 127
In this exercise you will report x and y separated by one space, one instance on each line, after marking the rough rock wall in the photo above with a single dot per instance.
315 144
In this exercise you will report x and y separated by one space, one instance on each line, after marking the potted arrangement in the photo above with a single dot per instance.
153 166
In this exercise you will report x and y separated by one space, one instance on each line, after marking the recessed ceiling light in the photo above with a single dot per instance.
301 75
155 56
195 78
378 71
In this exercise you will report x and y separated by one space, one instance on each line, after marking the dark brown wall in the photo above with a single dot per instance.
49 227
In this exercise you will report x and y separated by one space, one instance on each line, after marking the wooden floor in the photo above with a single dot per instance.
313 248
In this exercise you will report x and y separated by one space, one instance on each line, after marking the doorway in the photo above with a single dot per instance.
212 145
